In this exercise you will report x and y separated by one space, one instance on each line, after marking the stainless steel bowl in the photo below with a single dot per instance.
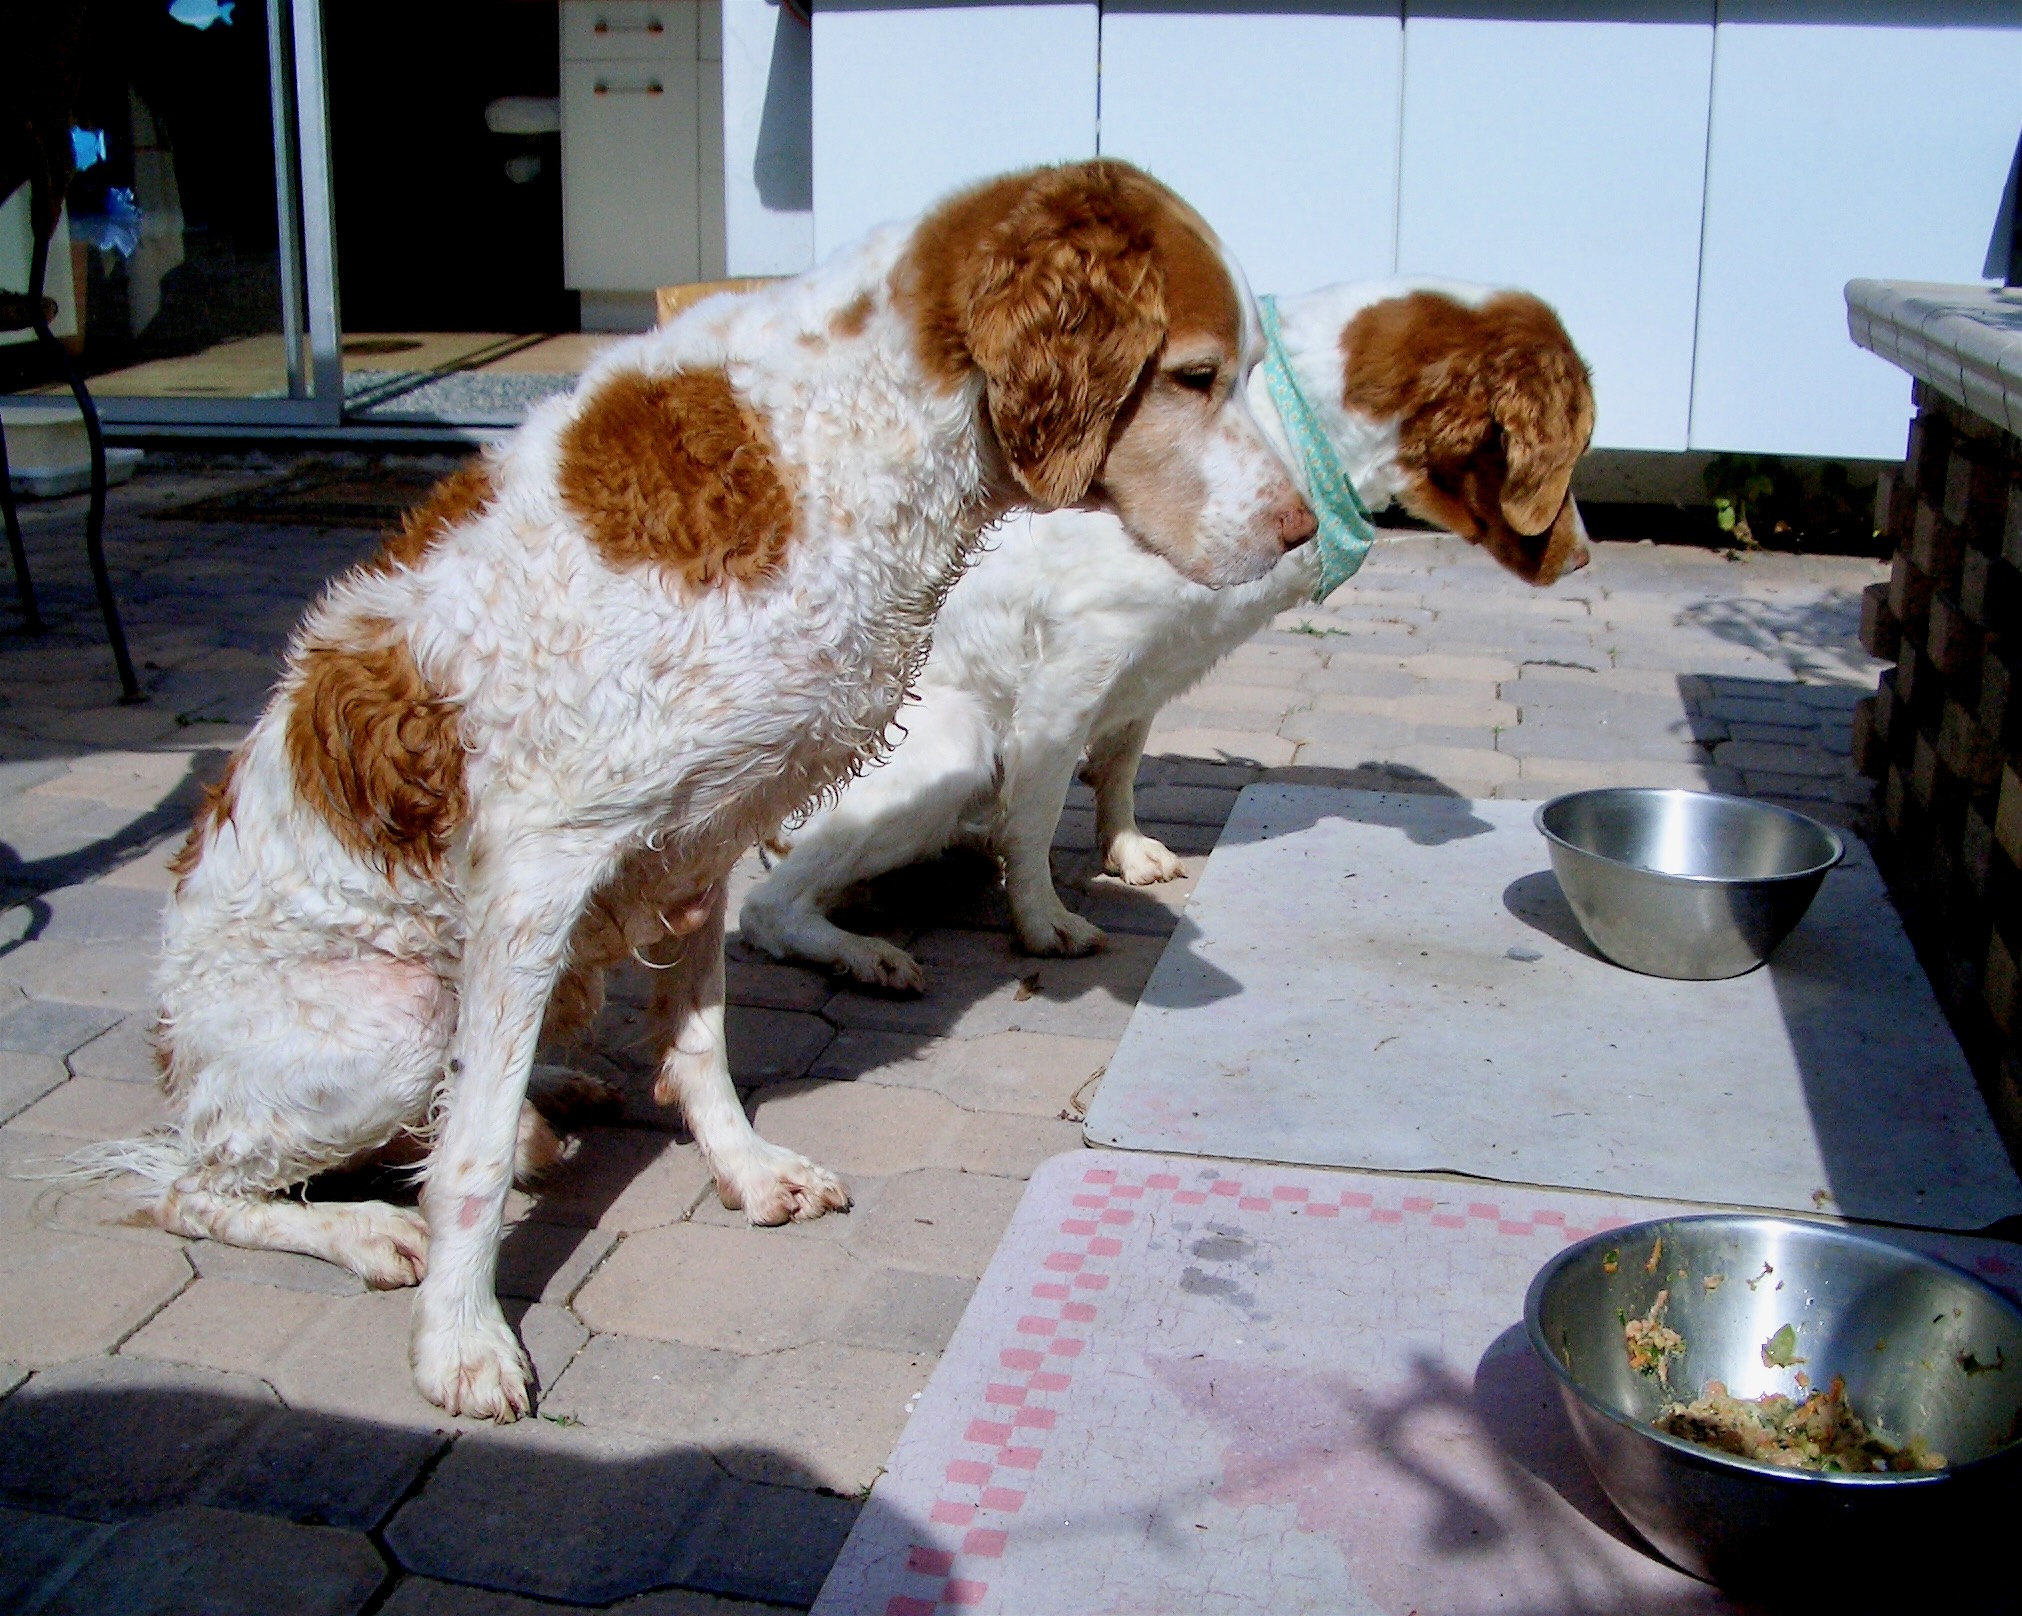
1926 1351
1685 883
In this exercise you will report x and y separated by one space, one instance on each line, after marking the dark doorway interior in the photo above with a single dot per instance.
442 224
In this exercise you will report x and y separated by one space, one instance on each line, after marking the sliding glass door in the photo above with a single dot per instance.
192 268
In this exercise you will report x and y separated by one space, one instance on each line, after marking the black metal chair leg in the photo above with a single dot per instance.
94 527
24 585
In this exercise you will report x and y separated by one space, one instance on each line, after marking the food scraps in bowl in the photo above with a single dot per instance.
1652 1342
1821 1433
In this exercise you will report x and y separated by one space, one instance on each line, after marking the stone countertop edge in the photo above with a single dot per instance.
1966 341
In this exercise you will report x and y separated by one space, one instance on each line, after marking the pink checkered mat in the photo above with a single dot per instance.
1215 1387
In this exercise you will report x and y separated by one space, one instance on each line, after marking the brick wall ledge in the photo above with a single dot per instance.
1965 341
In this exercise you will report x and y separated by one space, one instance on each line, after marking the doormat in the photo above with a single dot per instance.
460 398
1394 982
1215 1387
375 495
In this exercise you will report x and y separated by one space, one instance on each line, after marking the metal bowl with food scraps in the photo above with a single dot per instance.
1786 1406
1686 884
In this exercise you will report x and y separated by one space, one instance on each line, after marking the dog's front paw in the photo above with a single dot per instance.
386 1246
1060 931
879 964
771 1185
1141 862
476 1370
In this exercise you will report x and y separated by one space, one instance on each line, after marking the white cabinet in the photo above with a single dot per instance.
1568 156
1279 125
913 100
1841 151
642 143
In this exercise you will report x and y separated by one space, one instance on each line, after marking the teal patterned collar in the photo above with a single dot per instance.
1345 531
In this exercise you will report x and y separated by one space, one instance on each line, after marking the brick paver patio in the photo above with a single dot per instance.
716 1401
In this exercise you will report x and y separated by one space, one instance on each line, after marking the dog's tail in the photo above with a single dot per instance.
150 1164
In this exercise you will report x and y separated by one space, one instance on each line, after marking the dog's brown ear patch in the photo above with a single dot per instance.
1466 385
457 498
1051 284
1493 407
677 472
378 753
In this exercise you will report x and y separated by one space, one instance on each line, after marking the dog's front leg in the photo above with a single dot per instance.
1038 768
462 1350
1113 757
770 1184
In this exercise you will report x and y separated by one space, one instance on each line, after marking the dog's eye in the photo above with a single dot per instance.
1198 378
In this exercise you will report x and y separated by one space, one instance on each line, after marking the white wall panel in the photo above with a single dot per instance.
1840 149
912 100
1566 154
1279 124
768 145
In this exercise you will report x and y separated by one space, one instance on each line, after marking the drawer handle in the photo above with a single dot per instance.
653 26
652 87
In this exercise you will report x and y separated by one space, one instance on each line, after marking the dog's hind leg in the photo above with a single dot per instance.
386 1246
770 1184
277 1073
907 809
1113 757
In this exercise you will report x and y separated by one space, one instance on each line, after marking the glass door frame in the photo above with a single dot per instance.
307 245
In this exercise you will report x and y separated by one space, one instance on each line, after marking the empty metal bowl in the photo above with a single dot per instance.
1685 884
1927 1351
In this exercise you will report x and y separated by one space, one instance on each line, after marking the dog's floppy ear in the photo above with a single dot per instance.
1540 396
1049 284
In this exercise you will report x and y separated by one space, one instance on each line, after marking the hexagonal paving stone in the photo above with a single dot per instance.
651 1388
1036 1074
124 1053
353 1361
858 1127
824 1415
24 1079
43 1027
36 1550
321 1470
741 1289
903 1311
621 1179
774 1544
109 1436
938 1220
228 1326
223 1563
93 1108
68 1295
561 1512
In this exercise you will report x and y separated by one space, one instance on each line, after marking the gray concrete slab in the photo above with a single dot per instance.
1395 982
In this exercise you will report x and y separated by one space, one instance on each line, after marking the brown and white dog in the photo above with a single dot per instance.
674 607
1468 406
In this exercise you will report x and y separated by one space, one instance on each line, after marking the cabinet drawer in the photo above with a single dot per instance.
619 30
630 174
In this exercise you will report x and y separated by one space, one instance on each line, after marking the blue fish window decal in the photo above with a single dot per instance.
201 13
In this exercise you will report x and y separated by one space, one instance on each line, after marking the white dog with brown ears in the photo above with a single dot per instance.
674 607
1466 405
